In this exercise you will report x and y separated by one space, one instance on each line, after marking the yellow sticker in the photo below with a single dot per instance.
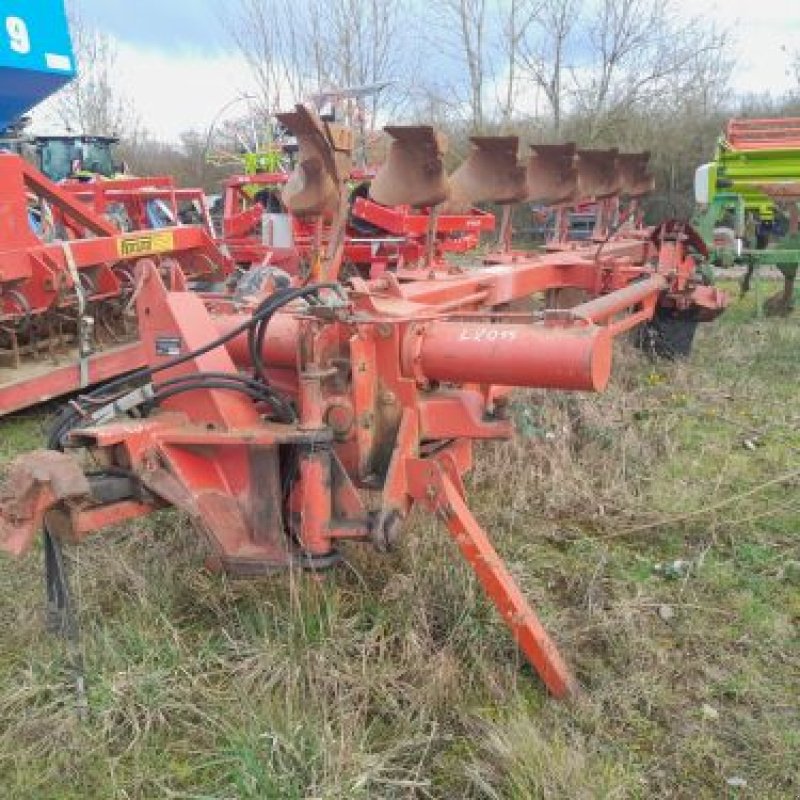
145 244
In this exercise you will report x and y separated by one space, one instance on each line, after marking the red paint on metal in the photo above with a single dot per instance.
773 133
391 382
432 486
58 380
55 283
35 482
576 358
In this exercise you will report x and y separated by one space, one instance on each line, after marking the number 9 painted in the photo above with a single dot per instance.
18 37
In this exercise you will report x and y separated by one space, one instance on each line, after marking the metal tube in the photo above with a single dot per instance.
547 357
602 308
315 502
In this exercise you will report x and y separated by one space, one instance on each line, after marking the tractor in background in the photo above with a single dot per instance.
71 229
67 157
36 60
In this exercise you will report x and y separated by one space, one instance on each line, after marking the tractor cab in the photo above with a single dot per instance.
78 157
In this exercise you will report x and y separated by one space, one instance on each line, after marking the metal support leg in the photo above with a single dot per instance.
434 487
333 257
504 239
62 618
430 238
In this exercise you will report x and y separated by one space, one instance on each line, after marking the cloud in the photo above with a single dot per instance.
764 36
181 90
177 79
172 91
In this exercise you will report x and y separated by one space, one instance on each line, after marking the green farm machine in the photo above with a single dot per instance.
748 201
67 156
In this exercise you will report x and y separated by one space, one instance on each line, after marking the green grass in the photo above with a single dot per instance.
393 677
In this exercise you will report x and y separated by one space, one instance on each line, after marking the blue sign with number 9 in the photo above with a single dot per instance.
36 57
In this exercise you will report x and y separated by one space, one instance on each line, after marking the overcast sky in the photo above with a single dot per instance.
179 69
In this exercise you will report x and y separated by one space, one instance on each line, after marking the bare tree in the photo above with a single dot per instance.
639 50
459 29
359 43
517 18
542 51
472 23
796 68
92 103
298 49
185 161
270 36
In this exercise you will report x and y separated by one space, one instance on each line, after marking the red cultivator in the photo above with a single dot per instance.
138 204
66 280
286 421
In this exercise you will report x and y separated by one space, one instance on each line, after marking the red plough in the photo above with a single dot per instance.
290 421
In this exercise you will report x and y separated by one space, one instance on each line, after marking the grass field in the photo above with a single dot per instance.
656 529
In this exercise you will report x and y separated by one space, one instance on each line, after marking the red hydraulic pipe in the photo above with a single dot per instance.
546 357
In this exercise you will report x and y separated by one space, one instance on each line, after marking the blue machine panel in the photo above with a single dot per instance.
36 57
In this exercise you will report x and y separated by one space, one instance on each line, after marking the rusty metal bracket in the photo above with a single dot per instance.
35 483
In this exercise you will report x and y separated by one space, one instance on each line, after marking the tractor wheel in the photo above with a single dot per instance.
669 335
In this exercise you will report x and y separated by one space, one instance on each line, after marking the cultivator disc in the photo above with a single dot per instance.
552 178
324 162
634 178
413 173
491 173
598 174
